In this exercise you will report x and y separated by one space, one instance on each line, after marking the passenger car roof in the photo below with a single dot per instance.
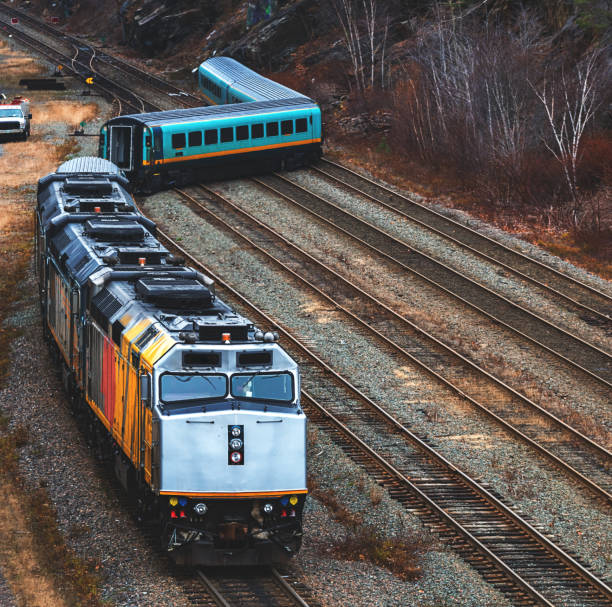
246 80
216 111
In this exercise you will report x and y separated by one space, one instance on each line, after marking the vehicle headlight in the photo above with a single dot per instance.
201 509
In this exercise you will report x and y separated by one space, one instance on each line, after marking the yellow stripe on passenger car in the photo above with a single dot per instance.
234 151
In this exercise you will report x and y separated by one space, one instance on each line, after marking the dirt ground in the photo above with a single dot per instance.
21 165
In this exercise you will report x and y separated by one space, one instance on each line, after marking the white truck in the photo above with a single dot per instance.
15 118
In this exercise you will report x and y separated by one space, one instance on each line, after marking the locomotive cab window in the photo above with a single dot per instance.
184 388
287 127
178 141
263 386
272 129
227 134
242 132
211 137
301 125
195 139
257 131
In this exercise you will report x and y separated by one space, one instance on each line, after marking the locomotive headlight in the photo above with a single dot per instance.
236 444
268 508
236 457
235 431
201 509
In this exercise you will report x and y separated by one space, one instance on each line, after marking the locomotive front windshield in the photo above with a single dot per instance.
263 386
181 389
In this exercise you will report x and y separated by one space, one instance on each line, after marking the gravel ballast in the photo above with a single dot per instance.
537 374
465 438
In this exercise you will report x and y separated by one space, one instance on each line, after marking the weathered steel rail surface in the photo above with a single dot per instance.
575 454
595 305
250 587
579 354
504 547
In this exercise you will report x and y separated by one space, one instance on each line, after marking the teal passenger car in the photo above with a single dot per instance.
175 147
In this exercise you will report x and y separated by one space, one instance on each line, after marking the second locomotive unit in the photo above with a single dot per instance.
197 409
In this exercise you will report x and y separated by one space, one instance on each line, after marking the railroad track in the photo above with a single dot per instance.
249 587
581 355
508 551
517 558
595 305
575 454
80 67
110 72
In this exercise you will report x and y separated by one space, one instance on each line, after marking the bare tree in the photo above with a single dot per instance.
569 113
365 39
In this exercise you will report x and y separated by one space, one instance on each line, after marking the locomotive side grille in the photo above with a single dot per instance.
60 242
103 306
9 126
81 263
146 337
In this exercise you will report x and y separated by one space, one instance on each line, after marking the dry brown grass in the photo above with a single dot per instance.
64 111
15 65
38 565
35 159
400 554
16 550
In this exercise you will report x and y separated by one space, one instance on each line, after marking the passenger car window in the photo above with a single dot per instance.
257 131
211 137
195 138
227 134
287 127
272 129
242 132
301 126
178 140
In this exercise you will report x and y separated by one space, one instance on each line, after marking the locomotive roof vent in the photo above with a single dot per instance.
100 187
175 293
115 230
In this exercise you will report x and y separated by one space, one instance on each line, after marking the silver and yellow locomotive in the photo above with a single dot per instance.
197 408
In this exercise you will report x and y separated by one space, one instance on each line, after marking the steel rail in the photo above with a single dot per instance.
405 207
572 565
288 588
390 341
212 589
401 247
266 582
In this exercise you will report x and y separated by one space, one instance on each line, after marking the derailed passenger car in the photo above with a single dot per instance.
262 126
196 408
